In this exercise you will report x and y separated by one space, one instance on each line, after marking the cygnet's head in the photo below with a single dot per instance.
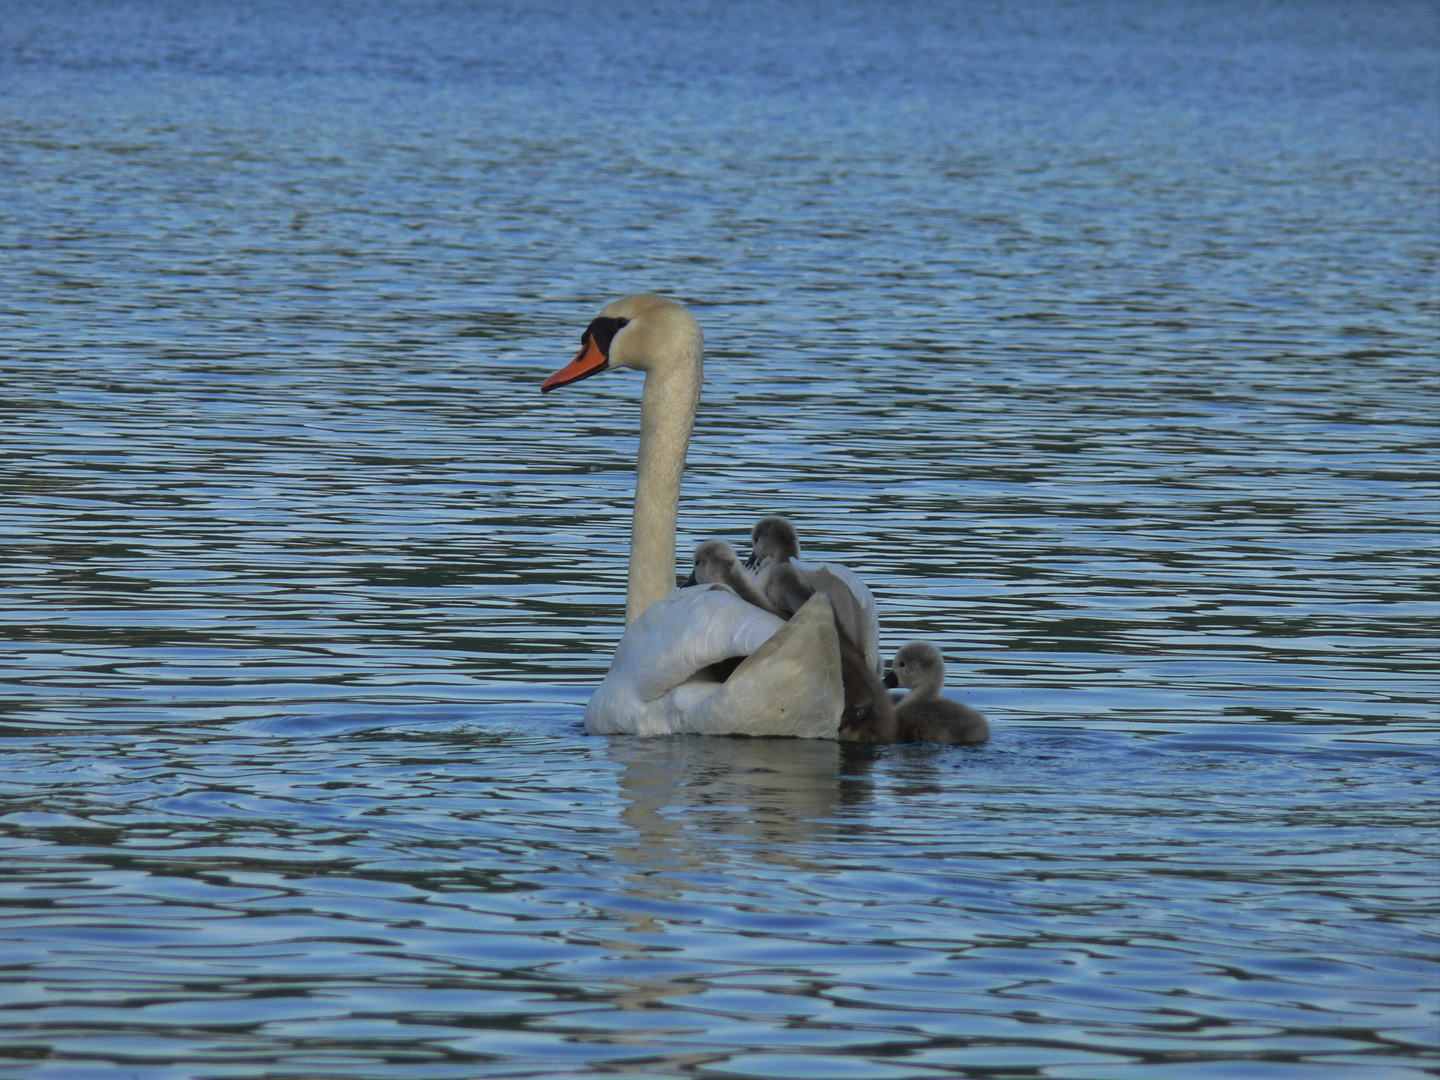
917 664
773 540
644 331
715 561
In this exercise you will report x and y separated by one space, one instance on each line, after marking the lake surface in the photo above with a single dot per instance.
1100 338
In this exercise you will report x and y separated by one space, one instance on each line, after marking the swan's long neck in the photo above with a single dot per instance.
667 415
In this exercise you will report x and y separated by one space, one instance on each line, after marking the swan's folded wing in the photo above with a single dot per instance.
853 603
790 685
663 651
687 631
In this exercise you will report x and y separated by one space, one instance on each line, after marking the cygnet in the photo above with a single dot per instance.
923 715
772 541
716 562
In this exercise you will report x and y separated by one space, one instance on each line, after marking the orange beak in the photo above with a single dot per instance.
591 361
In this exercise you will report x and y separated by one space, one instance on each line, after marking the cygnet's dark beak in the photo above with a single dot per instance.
690 581
891 682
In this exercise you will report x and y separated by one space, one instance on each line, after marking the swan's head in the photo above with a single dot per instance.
773 540
917 664
647 332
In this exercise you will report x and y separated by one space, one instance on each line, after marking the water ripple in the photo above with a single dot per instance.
1101 342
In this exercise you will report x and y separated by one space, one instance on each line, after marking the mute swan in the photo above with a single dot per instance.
787 582
922 715
663 678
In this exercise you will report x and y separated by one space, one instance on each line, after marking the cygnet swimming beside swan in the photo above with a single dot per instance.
922 715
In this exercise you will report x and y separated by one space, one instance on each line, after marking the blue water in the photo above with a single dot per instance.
1100 338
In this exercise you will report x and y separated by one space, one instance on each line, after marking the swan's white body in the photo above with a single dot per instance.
658 684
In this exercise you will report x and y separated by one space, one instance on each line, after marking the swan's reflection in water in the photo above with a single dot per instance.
720 826
694 799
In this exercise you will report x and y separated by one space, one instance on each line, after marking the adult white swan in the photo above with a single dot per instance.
669 673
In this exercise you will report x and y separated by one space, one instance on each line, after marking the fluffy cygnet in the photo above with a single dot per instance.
923 715
772 541
716 562
785 590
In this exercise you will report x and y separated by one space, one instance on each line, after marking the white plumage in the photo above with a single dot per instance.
661 680
659 683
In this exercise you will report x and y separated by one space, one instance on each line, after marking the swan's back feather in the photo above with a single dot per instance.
687 631
789 683
852 601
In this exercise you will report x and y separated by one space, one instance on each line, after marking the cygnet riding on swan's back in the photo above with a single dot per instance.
716 563
788 582
773 540
662 679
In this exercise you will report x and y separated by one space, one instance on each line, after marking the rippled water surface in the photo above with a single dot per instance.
1101 338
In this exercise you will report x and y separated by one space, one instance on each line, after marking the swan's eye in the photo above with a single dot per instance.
602 331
